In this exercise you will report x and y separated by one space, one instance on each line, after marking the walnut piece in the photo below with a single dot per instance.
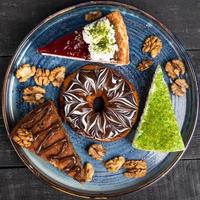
135 168
42 77
174 68
93 15
152 45
34 95
25 72
57 76
97 151
23 137
88 172
179 87
145 64
115 164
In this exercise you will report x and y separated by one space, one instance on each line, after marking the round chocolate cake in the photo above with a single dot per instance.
98 103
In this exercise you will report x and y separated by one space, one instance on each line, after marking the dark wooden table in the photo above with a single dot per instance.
18 17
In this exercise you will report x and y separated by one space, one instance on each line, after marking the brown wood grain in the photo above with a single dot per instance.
183 183
18 17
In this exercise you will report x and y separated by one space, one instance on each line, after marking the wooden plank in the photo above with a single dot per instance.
18 17
182 183
8 156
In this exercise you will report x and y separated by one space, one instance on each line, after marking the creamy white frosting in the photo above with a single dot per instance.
117 116
94 39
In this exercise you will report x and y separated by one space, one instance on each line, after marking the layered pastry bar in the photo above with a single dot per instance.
41 131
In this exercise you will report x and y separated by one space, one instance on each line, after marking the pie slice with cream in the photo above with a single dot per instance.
104 40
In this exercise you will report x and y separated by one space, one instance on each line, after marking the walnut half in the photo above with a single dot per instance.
135 168
88 172
57 76
115 164
93 15
34 95
97 151
145 64
42 77
25 72
152 45
179 87
23 137
174 68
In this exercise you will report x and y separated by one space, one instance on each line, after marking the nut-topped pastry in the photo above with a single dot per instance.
41 131
105 40
98 103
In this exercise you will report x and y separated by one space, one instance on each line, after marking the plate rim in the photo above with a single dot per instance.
21 154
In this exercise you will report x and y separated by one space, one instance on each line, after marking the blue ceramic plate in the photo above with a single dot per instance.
139 26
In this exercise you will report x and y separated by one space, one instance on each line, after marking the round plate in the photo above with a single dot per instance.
139 26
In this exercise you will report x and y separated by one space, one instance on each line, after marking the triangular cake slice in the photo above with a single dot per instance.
41 131
158 129
104 40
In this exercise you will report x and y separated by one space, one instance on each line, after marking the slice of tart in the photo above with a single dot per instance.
104 40
41 131
158 129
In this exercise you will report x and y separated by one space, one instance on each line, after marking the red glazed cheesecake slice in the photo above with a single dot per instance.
41 131
104 40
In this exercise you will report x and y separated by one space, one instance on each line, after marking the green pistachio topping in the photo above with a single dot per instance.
158 129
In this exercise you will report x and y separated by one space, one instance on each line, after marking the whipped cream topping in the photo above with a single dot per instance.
117 115
100 35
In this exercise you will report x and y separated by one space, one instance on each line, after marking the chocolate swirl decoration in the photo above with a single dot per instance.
50 141
99 103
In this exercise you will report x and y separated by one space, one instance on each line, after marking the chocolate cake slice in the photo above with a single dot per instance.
41 131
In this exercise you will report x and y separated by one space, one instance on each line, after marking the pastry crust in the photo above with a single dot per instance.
121 36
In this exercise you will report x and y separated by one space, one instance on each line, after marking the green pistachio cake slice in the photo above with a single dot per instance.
158 129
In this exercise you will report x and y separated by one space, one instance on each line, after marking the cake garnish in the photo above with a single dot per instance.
23 137
41 132
174 68
135 168
144 65
93 15
179 87
96 151
100 36
89 172
25 72
34 95
158 129
98 103
115 164
152 45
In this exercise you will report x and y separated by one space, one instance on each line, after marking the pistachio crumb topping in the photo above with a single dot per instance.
100 35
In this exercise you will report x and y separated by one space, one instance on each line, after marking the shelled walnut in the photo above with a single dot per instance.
34 95
93 15
115 164
152 45
57 76
174 68
179 87
135 168
42 77
23 137
96 151
145 64
25 72
89 172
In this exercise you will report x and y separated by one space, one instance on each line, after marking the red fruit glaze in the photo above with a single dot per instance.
71 45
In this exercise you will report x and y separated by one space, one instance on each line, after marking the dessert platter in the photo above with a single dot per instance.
100 99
